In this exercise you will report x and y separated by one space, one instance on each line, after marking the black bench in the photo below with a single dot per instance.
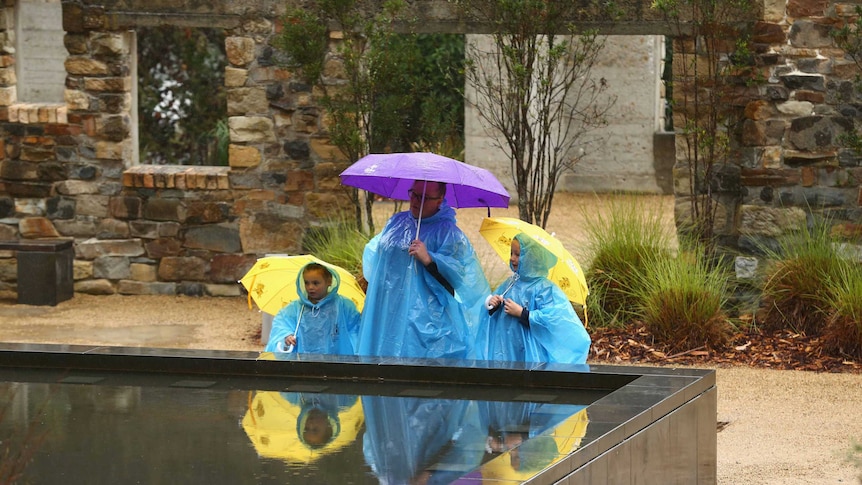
44 270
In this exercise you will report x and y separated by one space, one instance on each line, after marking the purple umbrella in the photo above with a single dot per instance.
392 175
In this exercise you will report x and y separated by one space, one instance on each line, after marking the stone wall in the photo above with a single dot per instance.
69 170
788 165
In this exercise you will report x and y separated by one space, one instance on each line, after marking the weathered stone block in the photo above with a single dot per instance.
125 207
242 156
234 77
162 247
766 132
111 267
93 248
813 133
86 66
239 50
241 101
230 268
37 227
770 221
221 238
128 287
93 205
164 210
176 268
265 233
769 177
251 129
143 272
806 8
95 287
113 229
79 227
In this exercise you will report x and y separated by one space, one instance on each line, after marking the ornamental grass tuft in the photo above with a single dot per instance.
843 332
681 302
338 242
795 296
622 241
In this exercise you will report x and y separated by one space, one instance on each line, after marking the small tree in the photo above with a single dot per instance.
379 100
181 105
712 61
849 38
533 90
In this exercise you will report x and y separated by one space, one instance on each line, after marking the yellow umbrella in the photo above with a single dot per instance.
563 440
271 425
271 282
567 273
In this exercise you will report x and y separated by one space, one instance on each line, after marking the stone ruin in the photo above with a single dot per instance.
68 170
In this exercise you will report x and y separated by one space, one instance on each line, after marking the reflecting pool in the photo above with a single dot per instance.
137 434
100 415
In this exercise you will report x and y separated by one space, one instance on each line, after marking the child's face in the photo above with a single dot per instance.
515 255
317 283
318 430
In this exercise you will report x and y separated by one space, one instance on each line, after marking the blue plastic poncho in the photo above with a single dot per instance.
331 326
554 334
409 313
406 437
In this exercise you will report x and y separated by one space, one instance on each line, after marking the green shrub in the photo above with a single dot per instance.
794 294
843 333
622 242
681 302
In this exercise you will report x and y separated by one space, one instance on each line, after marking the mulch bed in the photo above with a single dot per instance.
753 347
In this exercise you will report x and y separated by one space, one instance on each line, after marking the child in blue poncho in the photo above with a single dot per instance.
320 321
529 318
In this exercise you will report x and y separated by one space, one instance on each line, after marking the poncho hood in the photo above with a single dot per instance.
535 261
331 291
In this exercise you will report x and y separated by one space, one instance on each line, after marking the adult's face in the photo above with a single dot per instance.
432 201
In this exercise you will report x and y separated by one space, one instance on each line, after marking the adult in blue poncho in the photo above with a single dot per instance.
529 318
407 439
320 321
424 291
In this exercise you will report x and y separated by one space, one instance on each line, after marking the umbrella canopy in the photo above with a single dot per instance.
271 282
271 425
392 175
567 273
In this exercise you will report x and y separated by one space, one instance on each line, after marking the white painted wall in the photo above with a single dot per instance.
632 67
41 56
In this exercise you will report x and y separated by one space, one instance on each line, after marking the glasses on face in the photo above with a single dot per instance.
418 196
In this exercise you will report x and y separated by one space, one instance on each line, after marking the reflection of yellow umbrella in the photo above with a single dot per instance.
567 273
271 282
271 425
563 440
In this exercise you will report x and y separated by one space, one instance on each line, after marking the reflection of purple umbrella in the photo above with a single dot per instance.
392 175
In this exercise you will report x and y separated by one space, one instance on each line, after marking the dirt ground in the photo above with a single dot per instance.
777 427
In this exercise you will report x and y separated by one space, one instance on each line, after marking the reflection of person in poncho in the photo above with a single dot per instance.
318 422
302 427
524 437
406 439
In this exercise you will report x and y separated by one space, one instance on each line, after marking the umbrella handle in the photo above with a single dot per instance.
290 348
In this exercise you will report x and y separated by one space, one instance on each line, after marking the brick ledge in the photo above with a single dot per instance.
181 177
38 113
